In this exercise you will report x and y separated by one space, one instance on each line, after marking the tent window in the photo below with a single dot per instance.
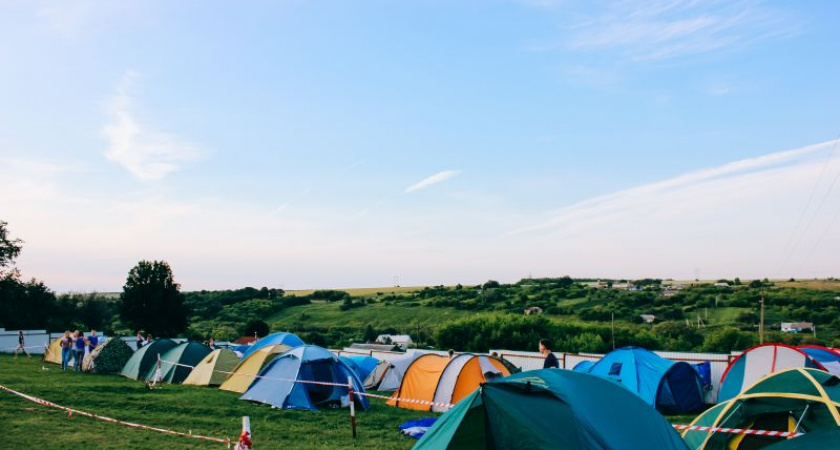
615 369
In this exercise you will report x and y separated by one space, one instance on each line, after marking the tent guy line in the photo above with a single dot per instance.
323 383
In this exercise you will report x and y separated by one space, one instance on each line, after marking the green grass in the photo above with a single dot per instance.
378 315
205 411
360 292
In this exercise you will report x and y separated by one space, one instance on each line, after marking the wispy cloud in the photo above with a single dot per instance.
434 179
692 188
149 155
662 29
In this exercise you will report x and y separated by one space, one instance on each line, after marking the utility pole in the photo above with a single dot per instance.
612 328
761 322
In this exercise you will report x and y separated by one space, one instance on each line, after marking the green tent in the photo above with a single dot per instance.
551 409
178 362
138 366
108 357
795 400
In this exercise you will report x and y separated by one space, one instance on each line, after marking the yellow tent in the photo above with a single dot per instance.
53 352
444 380
247 370
214 369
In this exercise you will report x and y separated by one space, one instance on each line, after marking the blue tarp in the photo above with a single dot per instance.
283 383
276 338
672 387
417 428
362 365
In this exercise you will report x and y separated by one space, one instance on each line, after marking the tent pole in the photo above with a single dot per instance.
801 417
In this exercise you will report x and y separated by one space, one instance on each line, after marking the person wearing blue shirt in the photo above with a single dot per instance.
550 360
78 350
93 341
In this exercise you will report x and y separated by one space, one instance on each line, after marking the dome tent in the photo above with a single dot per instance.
282 382
759 361
669 386
794 400
108 357
443 380
282 337
247 369
214 369
138 366
362 365
551 409
178 362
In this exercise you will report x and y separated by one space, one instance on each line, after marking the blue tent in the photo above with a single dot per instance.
672 387
828 358
281 383
362 365
275 338
583 366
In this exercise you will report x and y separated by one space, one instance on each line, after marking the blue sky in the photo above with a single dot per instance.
339 144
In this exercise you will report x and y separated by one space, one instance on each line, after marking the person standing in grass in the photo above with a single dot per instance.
550 360
139 340
66 344
21 345
93 341
78 350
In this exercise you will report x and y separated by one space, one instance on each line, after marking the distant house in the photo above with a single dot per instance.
796 327
403 340
244 340
533 310
648 318
377 347
721 284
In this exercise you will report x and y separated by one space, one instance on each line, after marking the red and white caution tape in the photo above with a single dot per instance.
739 431
324 383
71 411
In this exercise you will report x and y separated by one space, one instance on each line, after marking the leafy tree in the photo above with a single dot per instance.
257 327
9 248
151 300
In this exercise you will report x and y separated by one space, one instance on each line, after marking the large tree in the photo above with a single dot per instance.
151 300
9 249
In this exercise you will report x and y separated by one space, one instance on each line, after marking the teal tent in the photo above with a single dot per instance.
177 363
272 339
138 366
551 409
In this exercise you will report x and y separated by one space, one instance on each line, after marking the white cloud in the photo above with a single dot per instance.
662 29
729 220
148 155
434 179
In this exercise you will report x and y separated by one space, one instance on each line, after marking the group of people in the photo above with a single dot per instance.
141 342
73 348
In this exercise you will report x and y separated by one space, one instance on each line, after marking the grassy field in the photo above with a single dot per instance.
204 411
360 292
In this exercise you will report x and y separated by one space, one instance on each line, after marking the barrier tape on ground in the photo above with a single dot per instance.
225 441
739 431
406 400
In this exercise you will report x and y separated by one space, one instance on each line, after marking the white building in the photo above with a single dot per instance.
403 340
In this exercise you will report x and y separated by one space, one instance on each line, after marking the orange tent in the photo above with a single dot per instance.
443 380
